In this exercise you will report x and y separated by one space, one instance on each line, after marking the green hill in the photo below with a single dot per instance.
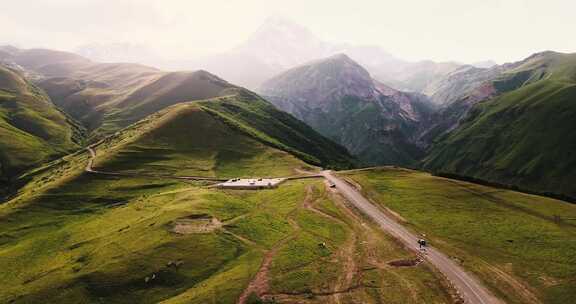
106 97
32 129
75 237
523 137
69 236
236 135
520 245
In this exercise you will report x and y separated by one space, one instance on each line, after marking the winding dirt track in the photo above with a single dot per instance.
469 288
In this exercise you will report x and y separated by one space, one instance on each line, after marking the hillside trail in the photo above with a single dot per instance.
344 284
260 283
469 288
350 268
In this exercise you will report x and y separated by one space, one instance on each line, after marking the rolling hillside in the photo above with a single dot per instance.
106 97
74 236
134 240
32 129
522 137
236 135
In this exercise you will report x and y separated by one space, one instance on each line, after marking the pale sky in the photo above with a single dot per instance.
458 30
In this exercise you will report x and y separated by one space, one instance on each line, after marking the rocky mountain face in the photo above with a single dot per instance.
453 95
339 98
412 76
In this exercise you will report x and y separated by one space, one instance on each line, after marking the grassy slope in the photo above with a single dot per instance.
166 90
32 129
108 97
185 140
71 237
251 114
90 238
487 229
225 137
524 137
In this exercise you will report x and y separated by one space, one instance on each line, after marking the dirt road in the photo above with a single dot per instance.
468 286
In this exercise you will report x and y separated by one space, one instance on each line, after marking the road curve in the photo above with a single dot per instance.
90 162
469 288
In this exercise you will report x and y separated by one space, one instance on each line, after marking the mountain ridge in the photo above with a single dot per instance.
520 135
108 97
339 98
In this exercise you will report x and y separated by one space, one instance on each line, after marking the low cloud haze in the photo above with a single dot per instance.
464 31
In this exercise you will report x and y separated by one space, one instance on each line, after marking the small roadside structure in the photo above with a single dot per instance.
251 183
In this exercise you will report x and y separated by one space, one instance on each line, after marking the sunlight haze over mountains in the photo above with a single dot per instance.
445 30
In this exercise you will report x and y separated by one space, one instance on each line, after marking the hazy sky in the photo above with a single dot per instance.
461 30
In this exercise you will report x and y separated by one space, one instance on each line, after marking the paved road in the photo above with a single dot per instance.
469 287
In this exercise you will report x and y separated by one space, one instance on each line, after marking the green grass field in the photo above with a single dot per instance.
523 246
77 237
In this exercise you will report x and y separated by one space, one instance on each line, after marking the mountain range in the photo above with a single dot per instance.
460 124
54 102
111 172
382 109
516 129
277 45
